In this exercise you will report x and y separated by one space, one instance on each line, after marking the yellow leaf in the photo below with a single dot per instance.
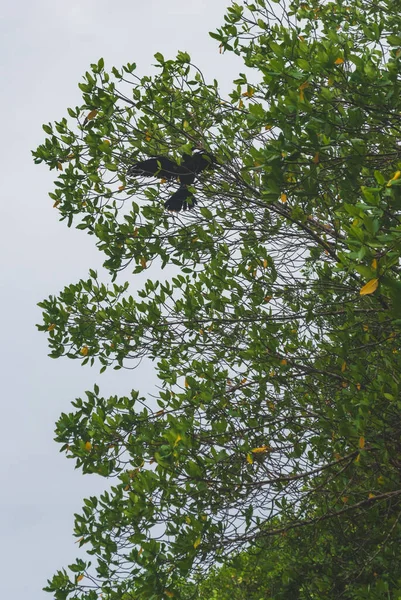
265 263
197 542
91 115
185 125
339 61
260 450
301 37
186 384
369 287
127 487
283 198
84 350
316 158
345 499
80 577
358 458
162 180
358 386
343 367
344 384
268 298
267 127
304 85
374 263
121 188
380 480
361 442
59 166
177 439
301 95
188 520
371 495
240 104
143 263
148 137
249 459
80 540
51 327
243 380
249 93
169 594
283 361
88 446
365 327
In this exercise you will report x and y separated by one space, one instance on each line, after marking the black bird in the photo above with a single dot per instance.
158 166
163 167
182 199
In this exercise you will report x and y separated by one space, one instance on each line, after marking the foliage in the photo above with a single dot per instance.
275 335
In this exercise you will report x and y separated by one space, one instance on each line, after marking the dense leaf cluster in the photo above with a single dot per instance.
275 434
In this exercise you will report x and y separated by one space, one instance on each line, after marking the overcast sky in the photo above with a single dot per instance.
46 48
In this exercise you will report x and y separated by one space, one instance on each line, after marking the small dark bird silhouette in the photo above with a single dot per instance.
186 172
182 199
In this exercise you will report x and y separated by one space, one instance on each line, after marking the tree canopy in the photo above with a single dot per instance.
272 444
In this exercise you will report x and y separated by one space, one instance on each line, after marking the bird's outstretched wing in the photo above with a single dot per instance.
157 166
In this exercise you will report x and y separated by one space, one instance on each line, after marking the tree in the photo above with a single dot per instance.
276 340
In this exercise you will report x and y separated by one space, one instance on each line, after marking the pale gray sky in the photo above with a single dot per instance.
46 46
